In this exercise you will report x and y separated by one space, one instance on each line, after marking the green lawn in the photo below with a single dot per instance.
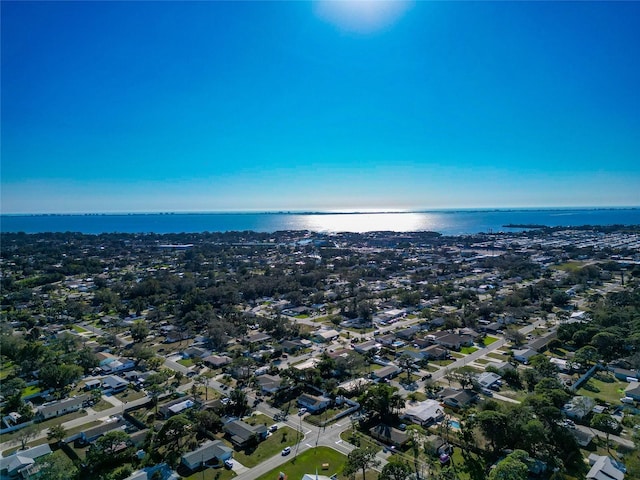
43 426
468 350
568 266
6 370
102 405
497 356
605 387
212 474
30 390
273 445
307 462
186 362
489 340
129 395
360 438
79 329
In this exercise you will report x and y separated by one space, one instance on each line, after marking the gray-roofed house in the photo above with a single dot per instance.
210 453
217 361
458 398
269 383
114 384
524 354
389 435
313 403
241 433
20 461
633 390
385 373
487 379
55 409
603 468
92 434
424 413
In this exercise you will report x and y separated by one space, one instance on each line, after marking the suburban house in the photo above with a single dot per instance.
313 403
92 434
323 336
217 361
91 384
269 383
118 365
633 391
257 338
241 433
435 352
424 413
626 375
365 347
195 352
291 346
114 384
389 435
55 409
488 379
578 407
210 453
458 398
21 462
452 341
176 407
603 468
523 355
386 373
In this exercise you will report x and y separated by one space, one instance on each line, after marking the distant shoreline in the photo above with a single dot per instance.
326 212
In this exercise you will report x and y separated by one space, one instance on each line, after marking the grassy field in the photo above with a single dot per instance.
101 405
30 390
79 329
489 340
307 462
273 445
129 395
468 350
605 387
186 362
212 474
361 438
568 266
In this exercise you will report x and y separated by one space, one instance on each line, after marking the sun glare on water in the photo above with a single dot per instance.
367 222
361 16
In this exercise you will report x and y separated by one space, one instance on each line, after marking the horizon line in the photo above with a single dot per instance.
325 212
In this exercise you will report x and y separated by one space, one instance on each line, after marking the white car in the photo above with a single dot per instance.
286 451
302 411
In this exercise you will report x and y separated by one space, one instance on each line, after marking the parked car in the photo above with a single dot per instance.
427 376
286 451
302 411
228 463
273 428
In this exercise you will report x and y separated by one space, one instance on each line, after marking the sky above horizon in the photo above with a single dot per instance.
326 105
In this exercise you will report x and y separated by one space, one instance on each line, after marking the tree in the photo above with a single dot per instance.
107 449
395 471
512 467
57 432
494 426
586 356
139 331
60 375
238 403
405 362
56 467
416 436
382 400
26 434
361 459
175 432
605 423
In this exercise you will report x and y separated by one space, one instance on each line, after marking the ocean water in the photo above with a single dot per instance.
447 222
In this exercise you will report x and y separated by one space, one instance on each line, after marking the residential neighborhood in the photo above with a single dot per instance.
232 355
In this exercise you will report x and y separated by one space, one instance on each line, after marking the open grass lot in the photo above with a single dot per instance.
356 437
212 474
258 419
497 356
6 369
568 266
101 405
78 328
605 387
468 350
186 362
489 340
273 445
30 390
129 395
308 462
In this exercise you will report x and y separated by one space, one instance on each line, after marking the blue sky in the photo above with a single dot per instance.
206 106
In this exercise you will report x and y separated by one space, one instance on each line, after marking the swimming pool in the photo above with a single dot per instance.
454 424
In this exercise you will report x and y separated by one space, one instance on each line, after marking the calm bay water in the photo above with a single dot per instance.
445 222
